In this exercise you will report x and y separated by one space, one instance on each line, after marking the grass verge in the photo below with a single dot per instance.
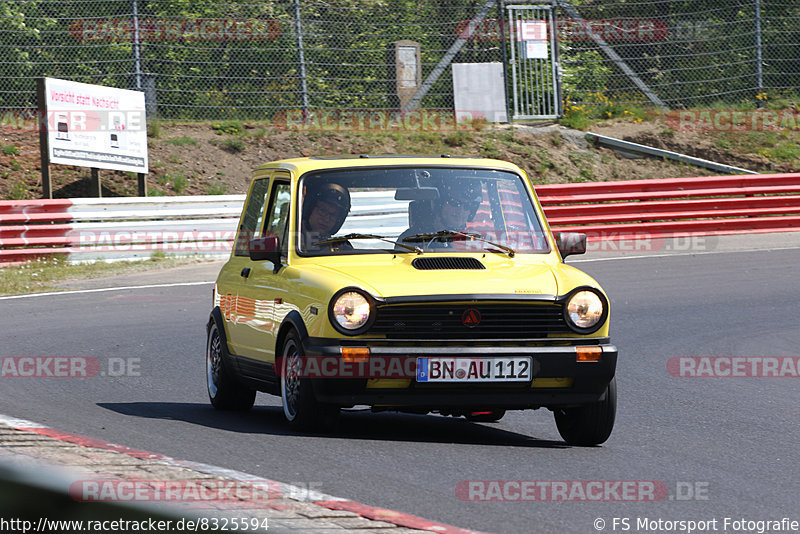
44 275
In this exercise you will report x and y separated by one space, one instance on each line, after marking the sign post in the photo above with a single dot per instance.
47 186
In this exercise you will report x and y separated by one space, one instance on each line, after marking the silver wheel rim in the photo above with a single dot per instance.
213 361
290 381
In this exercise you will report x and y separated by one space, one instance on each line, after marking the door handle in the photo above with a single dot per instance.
245 272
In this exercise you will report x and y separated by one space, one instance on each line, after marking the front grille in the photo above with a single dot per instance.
426 264
446 321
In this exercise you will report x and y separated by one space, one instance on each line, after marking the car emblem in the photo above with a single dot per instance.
471 318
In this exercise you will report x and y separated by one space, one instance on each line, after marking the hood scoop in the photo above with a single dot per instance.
445 263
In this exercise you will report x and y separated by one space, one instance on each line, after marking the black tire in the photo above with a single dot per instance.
590 424
488 417
224 391
300 406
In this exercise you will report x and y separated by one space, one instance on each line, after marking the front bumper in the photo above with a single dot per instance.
551 358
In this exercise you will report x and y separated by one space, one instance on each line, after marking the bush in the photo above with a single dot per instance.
233 144
153 128
228 127
216 188
181 141
180 183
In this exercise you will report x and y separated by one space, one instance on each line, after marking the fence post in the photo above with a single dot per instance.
137 60
501 9
95 188
759 62
298 24
557 73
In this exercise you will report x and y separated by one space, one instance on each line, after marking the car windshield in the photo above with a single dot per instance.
417 210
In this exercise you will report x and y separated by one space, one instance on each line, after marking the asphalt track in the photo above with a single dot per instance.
729 441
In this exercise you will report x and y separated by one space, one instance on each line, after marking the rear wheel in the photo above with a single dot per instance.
224 391
300 406
590 424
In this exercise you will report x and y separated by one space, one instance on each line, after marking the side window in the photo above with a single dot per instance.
251 220
278 214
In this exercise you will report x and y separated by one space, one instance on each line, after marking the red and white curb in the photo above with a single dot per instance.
320 499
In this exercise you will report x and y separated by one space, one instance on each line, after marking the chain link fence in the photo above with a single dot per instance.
251 60
684 54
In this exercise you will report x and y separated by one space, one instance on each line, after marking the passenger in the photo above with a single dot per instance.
457 203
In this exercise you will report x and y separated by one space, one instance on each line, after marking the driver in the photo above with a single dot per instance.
324 210
457 204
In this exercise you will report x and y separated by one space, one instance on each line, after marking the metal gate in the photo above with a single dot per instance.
536 86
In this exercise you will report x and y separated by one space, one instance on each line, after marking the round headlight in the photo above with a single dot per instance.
585 309
351 310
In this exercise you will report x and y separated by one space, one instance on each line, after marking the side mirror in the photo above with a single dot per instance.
570 243
266 248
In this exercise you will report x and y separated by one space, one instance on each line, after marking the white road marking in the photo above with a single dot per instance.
100 290
684 254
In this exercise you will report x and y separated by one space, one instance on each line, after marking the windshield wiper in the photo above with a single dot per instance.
453 233
348 237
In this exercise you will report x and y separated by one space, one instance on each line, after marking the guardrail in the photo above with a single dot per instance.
635 149
117 228
675 207
130 228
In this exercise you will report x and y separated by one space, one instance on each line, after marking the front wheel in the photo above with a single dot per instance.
590 424
224 391
300 406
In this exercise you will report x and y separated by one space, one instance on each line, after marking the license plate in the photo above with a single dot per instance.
516 369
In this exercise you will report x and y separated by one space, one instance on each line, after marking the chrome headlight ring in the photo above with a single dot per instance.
585 309
351 311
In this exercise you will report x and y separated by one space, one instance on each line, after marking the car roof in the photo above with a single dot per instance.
299 166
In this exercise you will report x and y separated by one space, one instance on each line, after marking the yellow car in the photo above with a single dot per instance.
416 284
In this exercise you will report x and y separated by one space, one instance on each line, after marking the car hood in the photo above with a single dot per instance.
397 277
